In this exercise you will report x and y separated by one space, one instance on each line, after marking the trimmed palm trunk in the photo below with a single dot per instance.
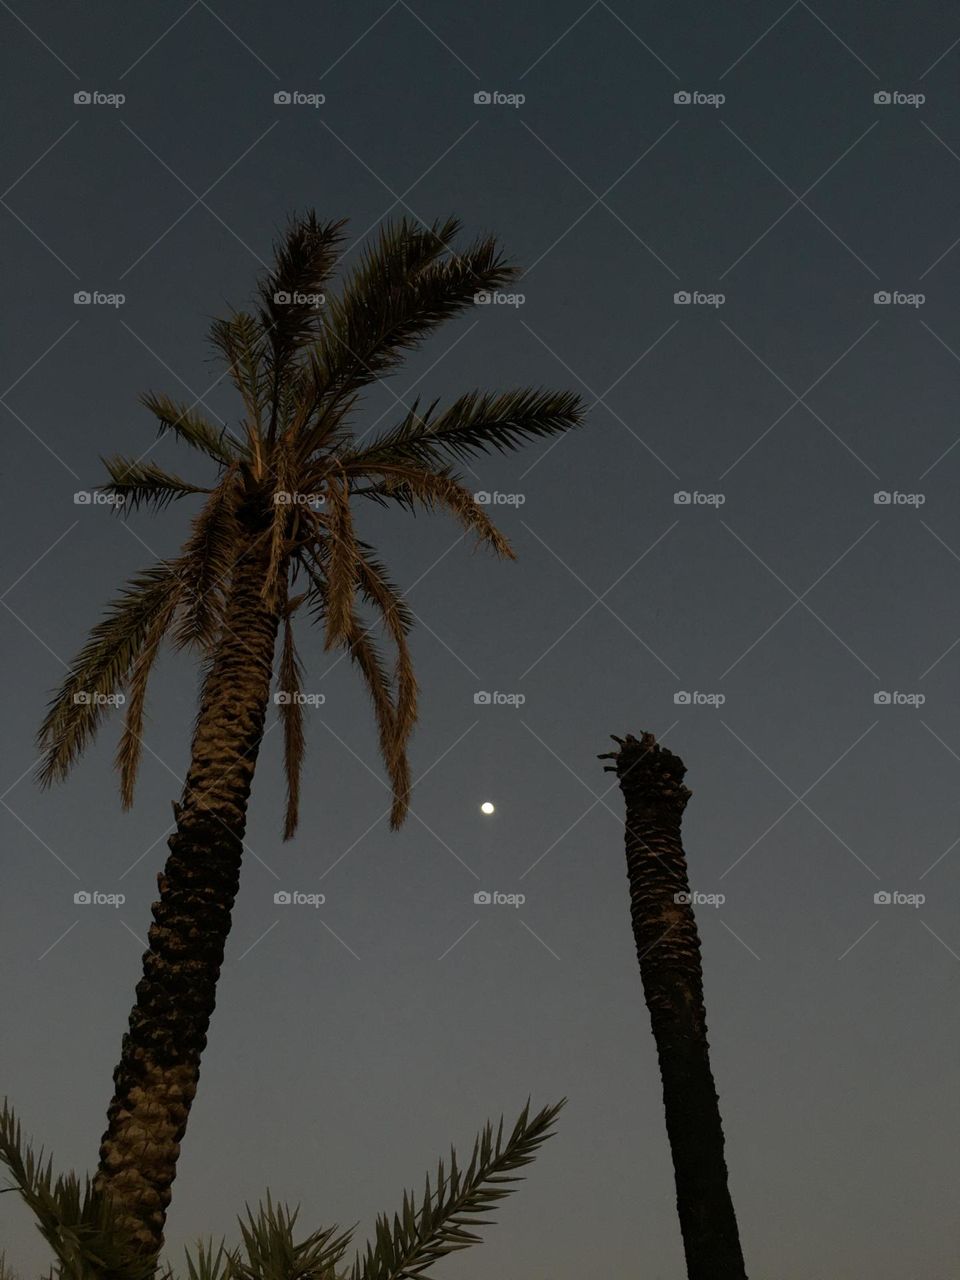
156 1079
668 948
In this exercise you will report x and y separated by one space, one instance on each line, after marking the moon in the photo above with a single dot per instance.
487 807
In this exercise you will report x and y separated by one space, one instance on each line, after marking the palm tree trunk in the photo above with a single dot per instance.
156 1079
668 948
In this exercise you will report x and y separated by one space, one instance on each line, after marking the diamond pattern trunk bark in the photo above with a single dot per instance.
156 1079
668 948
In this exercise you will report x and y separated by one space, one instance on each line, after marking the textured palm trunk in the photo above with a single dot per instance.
668 947
156 1079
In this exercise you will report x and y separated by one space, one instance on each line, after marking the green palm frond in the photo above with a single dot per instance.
241 341
399 293
80 1225
291 294
192 427
131 740
476 423
102 667
206 565
76 1221
272 1253
134 482
428 1229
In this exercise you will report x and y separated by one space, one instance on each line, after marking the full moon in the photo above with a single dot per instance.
487 807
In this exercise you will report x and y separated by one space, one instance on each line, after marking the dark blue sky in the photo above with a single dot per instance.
353 1042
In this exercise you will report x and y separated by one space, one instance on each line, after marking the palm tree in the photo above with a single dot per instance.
275 536
81 1223
668 948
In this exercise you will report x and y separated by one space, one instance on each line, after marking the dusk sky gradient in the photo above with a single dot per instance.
353 1043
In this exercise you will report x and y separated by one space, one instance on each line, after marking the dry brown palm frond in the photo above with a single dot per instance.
206 565
377 587
341 569
129 750
364 652
411 485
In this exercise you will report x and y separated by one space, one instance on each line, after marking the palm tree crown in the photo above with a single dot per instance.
301 362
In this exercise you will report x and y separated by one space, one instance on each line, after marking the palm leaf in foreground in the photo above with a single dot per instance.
90 1245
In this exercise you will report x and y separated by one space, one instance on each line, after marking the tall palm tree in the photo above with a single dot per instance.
668 948
275 536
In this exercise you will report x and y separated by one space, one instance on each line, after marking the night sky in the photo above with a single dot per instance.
352 1042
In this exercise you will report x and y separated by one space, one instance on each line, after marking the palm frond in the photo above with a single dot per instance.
134 483
476 423
241 341
429 1229
78 1222
411 485
400 292
205 567
192 427
102 667
341 572
290 679
290 294
272 1253
368 658
376 587
131 740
